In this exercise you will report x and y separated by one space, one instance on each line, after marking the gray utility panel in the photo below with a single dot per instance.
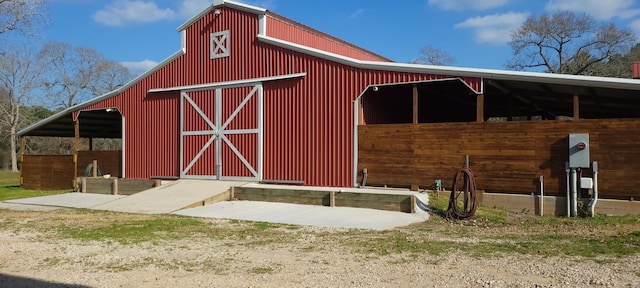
579 150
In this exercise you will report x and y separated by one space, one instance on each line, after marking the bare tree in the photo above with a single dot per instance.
77 74
21 15
567 43
114 75
434 56
19 77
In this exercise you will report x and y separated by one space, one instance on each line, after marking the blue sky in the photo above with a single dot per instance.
140 33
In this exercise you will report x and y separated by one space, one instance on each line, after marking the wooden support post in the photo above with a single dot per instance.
332 199
84 184
94 168
115 186
467 193
76 148
413 204
576 106
21 159
415 104
480 108
360 112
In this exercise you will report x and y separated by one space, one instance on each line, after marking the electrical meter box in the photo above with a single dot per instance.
579 150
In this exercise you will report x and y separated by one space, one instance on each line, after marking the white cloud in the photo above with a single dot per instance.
356 13
467 4
122 12
635 26
603 10
139 67
495 28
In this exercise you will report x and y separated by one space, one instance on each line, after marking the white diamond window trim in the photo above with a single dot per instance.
219 44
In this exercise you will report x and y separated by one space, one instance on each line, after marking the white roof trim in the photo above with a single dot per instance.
218 3
576 80
417 82
209 86
101 97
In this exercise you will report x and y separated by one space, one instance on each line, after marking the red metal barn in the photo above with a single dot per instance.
251 95
255 96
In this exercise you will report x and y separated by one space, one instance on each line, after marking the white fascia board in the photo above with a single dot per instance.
208 86
576 80
218 3
102 97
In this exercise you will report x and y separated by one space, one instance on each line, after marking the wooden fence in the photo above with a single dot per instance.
505 157
47 172
56 172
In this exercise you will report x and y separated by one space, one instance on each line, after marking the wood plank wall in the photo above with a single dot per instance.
47 172
506 157
108 161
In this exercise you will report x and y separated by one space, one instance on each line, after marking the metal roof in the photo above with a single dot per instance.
63 119
606 94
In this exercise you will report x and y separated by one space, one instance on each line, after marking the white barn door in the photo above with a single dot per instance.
221 133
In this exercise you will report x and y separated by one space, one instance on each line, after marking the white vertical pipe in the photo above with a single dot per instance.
541 195
574 192
566 170
595 188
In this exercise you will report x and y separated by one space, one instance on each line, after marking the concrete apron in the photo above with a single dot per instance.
176 198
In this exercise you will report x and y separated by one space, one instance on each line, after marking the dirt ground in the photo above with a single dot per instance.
36 257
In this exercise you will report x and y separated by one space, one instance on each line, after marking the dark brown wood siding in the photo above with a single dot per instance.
504 156
47 172
109 162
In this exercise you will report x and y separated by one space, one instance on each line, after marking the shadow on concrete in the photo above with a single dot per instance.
19 282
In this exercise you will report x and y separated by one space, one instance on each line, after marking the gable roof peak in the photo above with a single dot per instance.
222 3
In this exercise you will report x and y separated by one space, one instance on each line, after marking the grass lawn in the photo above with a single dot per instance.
491 232
10 187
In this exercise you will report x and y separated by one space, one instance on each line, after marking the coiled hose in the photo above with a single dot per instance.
454 211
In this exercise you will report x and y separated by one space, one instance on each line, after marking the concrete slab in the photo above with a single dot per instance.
28 207
296 214
170 197
175 196
68 200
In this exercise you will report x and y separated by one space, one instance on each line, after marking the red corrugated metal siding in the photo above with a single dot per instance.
281 29
308 122
151 124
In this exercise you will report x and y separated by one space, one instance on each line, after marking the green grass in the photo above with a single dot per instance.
137 231
116 227
10 187
492 232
